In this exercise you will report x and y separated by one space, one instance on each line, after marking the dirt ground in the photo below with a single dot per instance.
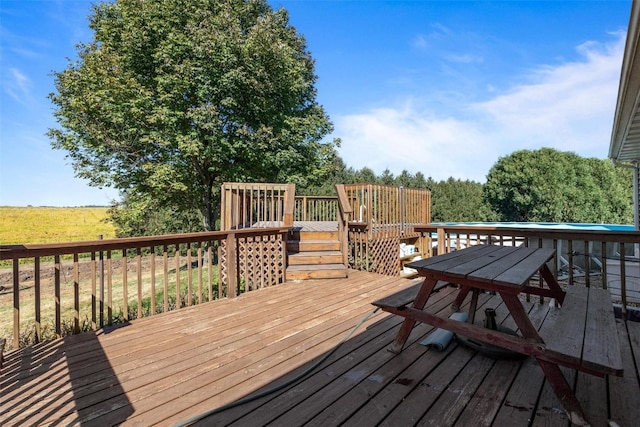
47 272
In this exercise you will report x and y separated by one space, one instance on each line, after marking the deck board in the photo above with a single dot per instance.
168 368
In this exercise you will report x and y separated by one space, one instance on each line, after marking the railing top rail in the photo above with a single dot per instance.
344 204
316 197
254 186
558 233
8 252
349 187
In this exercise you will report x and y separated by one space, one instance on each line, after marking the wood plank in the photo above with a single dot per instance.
347 363
424 392
444 261
601 346
522 272
591 392
565 338
459 392
488 398
405 373
345 358
520 401
549 411
510 258
359 394
473 260
624 398
319 405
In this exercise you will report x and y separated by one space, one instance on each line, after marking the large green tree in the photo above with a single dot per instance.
455 200
548 185
173 97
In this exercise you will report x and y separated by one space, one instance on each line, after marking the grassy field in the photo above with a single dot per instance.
19 225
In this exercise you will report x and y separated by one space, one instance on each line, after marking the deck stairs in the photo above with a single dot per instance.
314 255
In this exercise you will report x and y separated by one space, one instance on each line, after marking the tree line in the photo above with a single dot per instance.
170 99
545 185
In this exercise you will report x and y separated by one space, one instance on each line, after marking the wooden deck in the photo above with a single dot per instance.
168 368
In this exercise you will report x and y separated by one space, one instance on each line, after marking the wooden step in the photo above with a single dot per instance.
326 271
315 258
314 235
312 245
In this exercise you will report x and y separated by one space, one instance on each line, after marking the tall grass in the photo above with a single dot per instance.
22 225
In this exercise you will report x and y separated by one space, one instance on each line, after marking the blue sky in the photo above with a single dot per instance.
445 88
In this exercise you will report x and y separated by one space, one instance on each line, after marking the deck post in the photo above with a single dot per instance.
232 265
344 211
16 303
289 205
441 241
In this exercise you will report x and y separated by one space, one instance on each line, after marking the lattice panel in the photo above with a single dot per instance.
223 277
374 255
260 263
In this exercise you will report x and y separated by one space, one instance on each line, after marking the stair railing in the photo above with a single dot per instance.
344 213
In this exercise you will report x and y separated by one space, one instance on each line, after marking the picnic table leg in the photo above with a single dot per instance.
462 294
473 305
516 309
548 277
408 324
564 392
552 371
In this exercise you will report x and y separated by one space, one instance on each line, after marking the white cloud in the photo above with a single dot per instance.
420 42
569 107
19 86
465 58
400 139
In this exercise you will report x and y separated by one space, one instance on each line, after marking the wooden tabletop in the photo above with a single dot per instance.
500 265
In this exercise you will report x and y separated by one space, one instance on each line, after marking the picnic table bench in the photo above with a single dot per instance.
581 334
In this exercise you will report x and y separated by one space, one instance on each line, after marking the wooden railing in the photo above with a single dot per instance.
388 210
247 205
316 208
606 259
89 284
345 212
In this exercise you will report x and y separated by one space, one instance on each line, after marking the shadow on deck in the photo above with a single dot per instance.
168 368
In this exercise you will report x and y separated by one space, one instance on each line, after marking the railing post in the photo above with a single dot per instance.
623 281
56 292
344 210
38 300
442 236
101 296
289 205
232 265
402 207
16 304
426 208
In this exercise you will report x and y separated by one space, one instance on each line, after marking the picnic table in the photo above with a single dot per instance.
584 336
